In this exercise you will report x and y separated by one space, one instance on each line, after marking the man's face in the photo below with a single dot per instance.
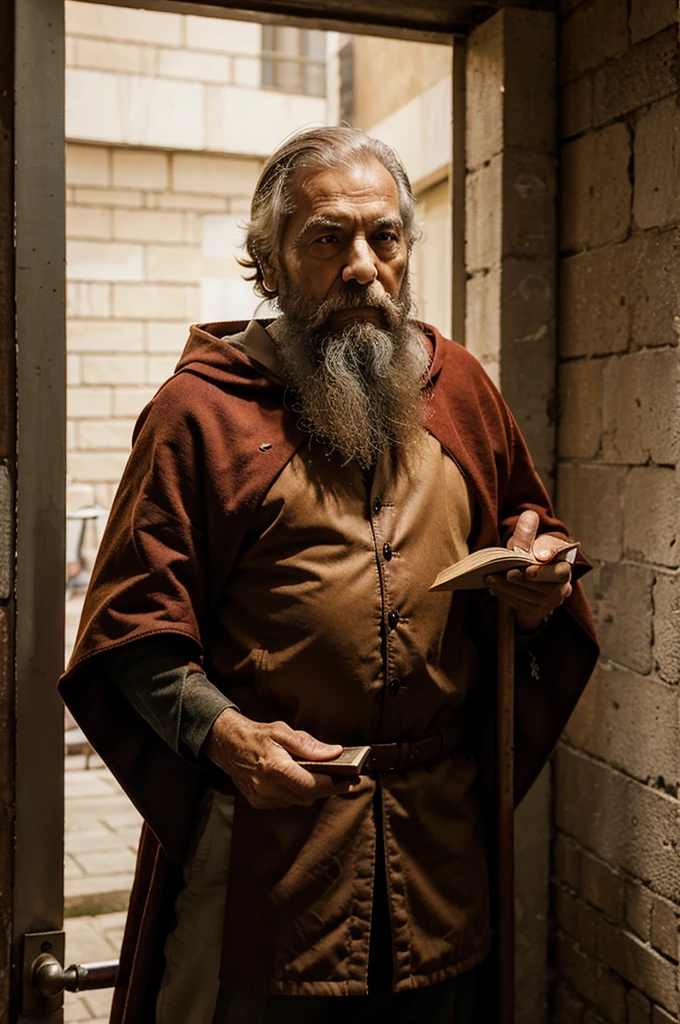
346 232
351 354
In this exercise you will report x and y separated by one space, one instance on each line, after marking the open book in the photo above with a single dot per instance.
470 572
350 762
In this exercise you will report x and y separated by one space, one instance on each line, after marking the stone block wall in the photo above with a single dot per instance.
173 81
120 39
616 858
152 238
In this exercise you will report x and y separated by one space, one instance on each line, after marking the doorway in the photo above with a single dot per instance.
105 337
155 208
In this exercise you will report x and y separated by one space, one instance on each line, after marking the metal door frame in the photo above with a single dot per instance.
35 605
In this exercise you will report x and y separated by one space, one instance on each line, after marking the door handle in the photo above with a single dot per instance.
49 978
44 980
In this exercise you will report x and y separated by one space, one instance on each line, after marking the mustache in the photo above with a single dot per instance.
371 296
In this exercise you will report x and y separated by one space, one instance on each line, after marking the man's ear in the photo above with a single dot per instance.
270 278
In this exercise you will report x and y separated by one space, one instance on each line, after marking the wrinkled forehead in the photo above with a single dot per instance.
363 194
363 187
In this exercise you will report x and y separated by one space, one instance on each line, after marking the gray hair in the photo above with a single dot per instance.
273 200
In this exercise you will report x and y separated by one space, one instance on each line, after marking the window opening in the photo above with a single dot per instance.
294 60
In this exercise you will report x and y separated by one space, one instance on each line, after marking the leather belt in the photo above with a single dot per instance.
388 757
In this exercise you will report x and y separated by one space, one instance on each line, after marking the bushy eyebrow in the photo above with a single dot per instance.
321 223
318 223
390 224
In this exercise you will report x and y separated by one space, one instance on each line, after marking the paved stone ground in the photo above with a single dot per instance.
102 830
91 939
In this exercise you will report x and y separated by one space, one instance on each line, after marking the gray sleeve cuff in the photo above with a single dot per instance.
174 697
202 703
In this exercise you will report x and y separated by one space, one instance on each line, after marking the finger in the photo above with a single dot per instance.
327 785
540 576
525 531
301 782
546 546
517 578
546 596
302 745
549 572
294 777
539 593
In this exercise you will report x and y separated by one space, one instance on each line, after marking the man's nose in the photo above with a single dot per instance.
360 265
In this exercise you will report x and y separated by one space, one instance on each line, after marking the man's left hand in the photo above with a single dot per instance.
536 591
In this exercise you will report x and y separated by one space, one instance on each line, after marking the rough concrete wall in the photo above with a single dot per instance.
616 864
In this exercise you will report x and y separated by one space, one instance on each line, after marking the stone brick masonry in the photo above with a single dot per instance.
151 245
616 865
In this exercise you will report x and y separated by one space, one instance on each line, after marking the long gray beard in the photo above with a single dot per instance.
358 389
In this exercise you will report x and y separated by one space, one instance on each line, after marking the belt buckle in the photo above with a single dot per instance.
375 771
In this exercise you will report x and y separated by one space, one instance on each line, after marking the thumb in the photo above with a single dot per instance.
525 531
547 547
301 744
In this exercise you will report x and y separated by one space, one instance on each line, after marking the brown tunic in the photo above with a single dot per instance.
327 623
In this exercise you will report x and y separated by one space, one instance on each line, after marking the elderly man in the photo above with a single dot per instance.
262 597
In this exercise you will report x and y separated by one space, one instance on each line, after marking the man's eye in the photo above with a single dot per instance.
387 236
326 239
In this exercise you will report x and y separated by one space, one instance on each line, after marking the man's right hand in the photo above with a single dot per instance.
257 755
